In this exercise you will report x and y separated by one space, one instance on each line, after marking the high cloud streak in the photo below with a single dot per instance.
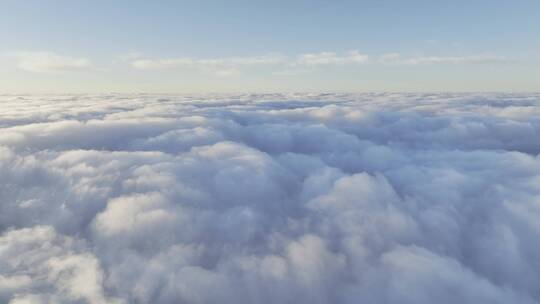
299 198
270 64
187 62
323 59
329 58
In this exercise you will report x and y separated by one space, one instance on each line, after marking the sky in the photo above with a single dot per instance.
268 46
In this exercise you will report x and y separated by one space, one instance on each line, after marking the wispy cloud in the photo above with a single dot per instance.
279 64
204 63
50 62
288 65
229 66
331 58
396 58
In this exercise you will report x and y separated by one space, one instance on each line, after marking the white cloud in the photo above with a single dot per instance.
50 62
206 63
40 266
277 64
281 65
457 59
396 58
233 65
330 58
280 198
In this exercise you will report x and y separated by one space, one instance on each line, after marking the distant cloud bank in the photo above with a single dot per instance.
277 198
50 62
321 59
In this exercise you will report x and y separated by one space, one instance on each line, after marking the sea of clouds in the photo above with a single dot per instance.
276 198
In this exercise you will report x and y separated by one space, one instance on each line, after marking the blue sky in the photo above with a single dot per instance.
235 46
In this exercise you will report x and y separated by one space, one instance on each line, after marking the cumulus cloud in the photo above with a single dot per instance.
270 198
50 62
40 266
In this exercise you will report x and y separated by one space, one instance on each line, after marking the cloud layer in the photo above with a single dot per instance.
308 60
299 198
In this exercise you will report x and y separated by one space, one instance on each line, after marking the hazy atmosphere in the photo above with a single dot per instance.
269 152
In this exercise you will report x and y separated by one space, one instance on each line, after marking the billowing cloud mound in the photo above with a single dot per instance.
371 198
